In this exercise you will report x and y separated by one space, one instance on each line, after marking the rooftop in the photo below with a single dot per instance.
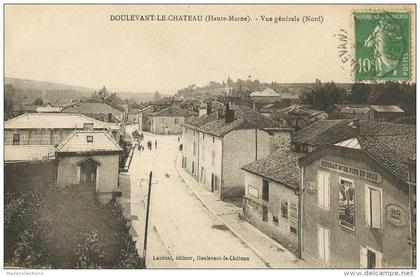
333 131
88 141
19 153
173 111
266 92
355 108
281 166
244 118
54 121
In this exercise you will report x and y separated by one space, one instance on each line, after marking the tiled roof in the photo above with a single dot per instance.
76 107
332 131
14 153
245 118
314 130
54 121
350 108
387 108
78 142
281 166
266 92
392 152
173 111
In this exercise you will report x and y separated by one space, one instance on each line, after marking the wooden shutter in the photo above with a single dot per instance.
321 243
326 190
379 258
327 245
363 257
367 206
375 196
320 189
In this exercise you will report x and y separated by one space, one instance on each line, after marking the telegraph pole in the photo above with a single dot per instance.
147 218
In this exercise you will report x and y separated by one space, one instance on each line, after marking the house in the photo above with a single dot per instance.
298 116
168 121
144 118
50 128
381 113
271 198
48 108
114 100
31 149
270 95
266 95
133 116
98 109
356 203
215 146
324 132
91 159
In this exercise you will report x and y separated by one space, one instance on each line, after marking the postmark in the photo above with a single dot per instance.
382 45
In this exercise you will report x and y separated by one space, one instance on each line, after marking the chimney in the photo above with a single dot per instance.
209 108
229 114
88 126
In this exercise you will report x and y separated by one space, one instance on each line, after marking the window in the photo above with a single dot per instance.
323 190
203 136
275 219
373 207
89 138
293 230
213 157
323 244
370 258
194 150
16 139
264 213
265 190
213 139
284 209
346 203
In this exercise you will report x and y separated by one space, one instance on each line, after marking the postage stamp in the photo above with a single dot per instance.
382 46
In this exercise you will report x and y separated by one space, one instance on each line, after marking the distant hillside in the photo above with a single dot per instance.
26 91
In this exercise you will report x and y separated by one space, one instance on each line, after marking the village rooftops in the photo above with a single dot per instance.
265 92
48 108
88 141
55 121
332 131
391 152
354 108
281 166
28 153
173 111
244 118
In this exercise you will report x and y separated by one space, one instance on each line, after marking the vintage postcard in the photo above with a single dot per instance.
211 136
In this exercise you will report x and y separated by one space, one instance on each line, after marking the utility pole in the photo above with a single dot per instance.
147 218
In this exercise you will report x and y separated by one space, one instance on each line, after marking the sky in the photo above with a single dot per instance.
80 45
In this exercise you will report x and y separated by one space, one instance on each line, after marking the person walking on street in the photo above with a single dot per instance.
155 144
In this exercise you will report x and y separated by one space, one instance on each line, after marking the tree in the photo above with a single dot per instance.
360 93
38 101
323 96
156 96
9 92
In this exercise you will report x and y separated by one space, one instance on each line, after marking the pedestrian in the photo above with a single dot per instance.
155 144
178 139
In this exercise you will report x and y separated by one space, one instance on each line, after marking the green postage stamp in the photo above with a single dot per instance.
382 45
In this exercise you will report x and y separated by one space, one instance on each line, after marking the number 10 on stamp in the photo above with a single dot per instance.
383 45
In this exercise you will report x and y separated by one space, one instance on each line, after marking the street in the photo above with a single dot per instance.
194 237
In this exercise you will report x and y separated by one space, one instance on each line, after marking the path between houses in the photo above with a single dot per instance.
273 253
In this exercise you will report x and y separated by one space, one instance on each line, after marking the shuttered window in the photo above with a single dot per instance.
323 189
324 244
373 207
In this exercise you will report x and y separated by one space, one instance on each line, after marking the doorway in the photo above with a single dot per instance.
88 171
